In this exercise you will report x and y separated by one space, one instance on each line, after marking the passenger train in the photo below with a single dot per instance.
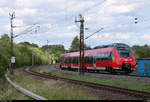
116 57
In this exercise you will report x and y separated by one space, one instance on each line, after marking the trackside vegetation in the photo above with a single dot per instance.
50 89
106 81
23 53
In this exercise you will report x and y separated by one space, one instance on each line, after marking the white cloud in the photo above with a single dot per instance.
2 2
72 27
111 36
28 3
16 22
48 26
146 36
25 12
55 35
4 11
122 35
113 15
121 9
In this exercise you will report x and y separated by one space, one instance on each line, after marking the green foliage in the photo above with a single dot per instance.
75 45
54 51
2 71
141 51
22 52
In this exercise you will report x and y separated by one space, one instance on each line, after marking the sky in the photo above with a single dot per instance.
56 19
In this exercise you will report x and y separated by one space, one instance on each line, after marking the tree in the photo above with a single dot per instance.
75 45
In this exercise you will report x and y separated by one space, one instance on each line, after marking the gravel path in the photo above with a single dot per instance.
118 77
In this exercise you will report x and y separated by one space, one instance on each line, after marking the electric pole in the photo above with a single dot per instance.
81 20
12 17
32 28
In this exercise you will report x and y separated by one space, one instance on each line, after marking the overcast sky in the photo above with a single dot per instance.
56 19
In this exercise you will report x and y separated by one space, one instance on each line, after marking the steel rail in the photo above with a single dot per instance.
102 72
135 93
24 91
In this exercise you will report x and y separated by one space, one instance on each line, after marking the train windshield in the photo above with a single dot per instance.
124 51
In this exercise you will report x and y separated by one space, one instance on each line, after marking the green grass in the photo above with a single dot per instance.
134 73
53 90
8 92
106 81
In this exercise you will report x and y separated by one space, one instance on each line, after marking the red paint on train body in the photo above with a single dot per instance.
110 58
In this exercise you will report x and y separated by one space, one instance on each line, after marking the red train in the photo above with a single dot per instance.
117 57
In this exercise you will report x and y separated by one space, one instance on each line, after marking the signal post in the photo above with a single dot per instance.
81 20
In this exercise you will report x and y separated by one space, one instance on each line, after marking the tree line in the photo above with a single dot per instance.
46 54
23 53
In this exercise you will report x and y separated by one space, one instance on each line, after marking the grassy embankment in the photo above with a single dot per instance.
53 90
106 81
10 93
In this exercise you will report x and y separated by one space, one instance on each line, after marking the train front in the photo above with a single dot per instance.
126 58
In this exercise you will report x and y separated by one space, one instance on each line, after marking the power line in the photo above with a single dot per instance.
94 33
85 10
88 9
31 29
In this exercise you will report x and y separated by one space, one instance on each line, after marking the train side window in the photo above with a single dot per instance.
70 60
90 59
85 59
67 60
75 60
64 60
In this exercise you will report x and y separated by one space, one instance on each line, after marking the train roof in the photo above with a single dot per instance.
112 45
88 52
97 49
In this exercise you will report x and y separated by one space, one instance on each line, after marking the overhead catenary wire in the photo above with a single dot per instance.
84 11
33 27
94 6
94 33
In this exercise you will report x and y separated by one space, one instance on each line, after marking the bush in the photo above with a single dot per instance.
2 71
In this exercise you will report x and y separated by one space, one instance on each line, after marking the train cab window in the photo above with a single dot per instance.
111 55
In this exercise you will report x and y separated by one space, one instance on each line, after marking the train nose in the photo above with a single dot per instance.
126 67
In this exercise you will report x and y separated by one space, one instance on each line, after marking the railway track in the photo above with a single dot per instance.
135 93
102 72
